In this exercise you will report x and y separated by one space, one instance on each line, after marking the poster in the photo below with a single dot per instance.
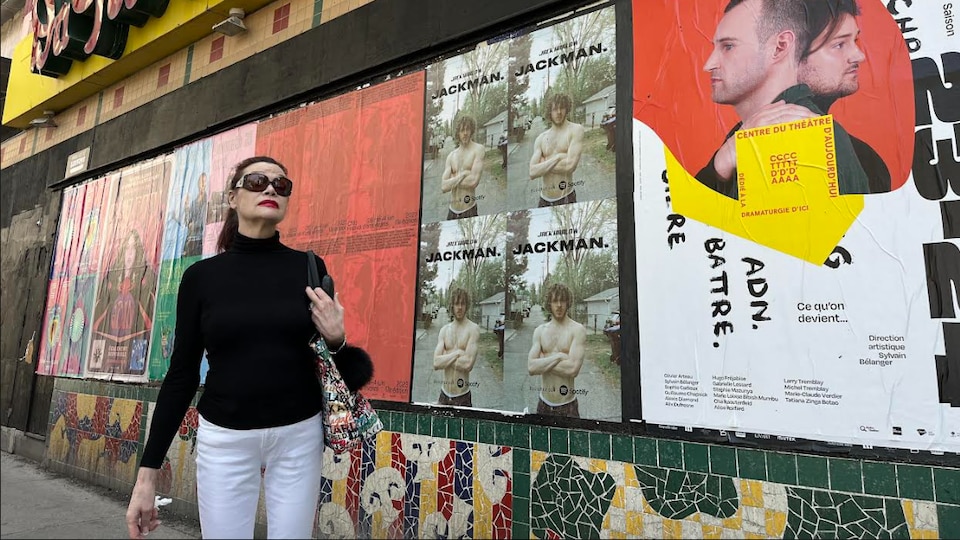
127 286
564 290
67 323
184 225
58 290
464 160
458 352
355 202
518 146
562 113
226 150
805 291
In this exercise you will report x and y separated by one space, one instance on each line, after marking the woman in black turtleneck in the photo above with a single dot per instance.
250 308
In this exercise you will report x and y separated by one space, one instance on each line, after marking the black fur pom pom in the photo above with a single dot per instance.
355 367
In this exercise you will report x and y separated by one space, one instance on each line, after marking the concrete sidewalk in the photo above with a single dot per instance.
37 503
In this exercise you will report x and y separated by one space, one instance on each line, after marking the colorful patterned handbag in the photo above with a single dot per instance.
348 418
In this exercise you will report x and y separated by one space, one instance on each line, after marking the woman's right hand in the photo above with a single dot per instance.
142 513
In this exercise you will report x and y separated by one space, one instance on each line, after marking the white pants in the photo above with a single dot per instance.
228 478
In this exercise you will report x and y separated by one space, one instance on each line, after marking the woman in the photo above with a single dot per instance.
126 302
261 401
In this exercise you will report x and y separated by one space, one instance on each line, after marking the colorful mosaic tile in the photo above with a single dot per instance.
677 494
823 514
418 486
415 486
921 519
569 501
95 433
178 473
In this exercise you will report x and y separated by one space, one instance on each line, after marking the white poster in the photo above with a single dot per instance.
785 298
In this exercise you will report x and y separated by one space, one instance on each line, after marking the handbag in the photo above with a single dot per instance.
348 418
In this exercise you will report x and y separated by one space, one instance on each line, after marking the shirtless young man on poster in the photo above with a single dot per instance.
556 154
557 355
456 353
463 169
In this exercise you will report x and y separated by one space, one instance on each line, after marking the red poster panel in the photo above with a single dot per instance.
127 286
227 149
355 161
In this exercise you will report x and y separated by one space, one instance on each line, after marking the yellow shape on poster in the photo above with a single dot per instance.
787 186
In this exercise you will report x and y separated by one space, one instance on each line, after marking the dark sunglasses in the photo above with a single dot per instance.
258 182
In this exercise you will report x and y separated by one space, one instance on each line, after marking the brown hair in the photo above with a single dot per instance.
467 121
459 295
823 18
559 291
231 222
560 100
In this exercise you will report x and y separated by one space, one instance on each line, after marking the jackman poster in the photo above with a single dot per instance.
560 144
458 353
465 122
127 287
561 356
356 198
796 201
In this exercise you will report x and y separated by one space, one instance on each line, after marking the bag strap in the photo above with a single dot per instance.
313 275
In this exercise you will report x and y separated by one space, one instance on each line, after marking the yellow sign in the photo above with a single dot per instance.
788 190
183 23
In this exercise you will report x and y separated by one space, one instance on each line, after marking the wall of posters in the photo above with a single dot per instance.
793 275
183 240
356 171
517 279
127 282
76 262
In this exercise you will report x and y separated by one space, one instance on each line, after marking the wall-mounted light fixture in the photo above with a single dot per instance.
45 121
233 24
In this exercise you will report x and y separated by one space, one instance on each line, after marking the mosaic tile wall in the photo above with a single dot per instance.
432 476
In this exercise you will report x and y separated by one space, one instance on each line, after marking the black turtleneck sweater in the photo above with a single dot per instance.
248 309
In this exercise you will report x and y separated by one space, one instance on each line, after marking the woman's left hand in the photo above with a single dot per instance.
327 315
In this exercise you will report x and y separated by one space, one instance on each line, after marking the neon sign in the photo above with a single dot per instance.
68 30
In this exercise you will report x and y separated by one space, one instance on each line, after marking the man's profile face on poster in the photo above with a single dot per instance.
832 69
737 65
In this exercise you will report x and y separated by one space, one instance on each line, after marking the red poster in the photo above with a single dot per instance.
355 161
